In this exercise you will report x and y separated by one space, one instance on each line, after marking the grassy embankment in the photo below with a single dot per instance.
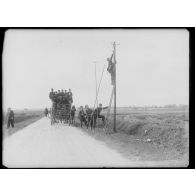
147 134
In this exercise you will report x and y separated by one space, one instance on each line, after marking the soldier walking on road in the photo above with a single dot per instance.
10 118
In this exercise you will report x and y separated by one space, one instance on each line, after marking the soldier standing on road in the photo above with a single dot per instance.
10 118
73 110
46 112
89 113
82 116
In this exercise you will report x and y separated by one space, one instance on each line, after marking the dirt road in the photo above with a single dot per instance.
43 145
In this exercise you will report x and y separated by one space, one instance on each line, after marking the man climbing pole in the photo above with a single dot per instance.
111 68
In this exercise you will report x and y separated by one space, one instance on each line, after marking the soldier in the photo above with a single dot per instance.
55 100
51 94
10 118
49 112
46 112
66 97
73 110
58 96
94 118
89 113
57 112
70 96
97 114
52 97
55 97
62 94
82 116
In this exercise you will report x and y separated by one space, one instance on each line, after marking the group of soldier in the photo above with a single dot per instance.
61 104
62 96
89 116
62 100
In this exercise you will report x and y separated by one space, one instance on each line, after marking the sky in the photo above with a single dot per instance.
152 66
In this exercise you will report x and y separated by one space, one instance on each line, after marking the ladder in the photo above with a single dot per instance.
109 108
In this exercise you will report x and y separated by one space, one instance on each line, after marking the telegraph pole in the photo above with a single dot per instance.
114 55
96 81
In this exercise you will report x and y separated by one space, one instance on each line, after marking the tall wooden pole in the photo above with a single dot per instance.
114 53
96 82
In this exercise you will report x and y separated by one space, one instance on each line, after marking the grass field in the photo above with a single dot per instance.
22 119
155 134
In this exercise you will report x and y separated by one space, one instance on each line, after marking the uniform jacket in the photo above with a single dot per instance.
99 109
81 114
10 115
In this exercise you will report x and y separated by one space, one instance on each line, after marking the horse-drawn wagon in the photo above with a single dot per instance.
61 106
